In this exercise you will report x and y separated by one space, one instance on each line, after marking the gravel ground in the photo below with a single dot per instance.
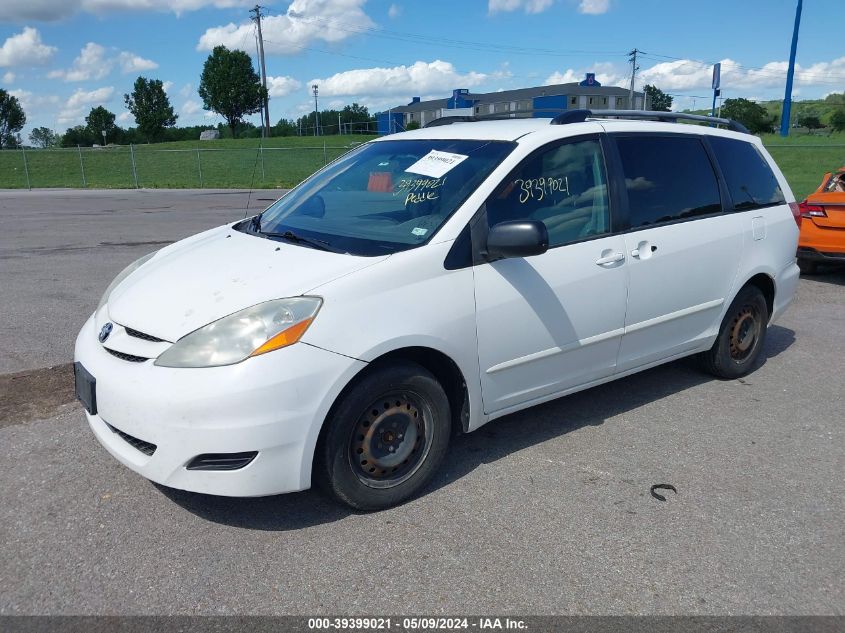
543 512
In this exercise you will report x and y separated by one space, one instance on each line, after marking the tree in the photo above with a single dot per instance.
752 115
810 121
412 125
12 119
78 135
43 137
230 86
837 120
658 100
100 120
151 108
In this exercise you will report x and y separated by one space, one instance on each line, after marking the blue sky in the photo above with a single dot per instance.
62 57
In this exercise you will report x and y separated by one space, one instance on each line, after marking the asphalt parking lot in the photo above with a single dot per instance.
543 512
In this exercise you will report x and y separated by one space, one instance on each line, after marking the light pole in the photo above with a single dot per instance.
790 71
316 112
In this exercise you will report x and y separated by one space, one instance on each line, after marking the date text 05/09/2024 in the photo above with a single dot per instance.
417 624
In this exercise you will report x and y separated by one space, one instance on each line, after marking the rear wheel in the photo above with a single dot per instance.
385 438
741 336
808 267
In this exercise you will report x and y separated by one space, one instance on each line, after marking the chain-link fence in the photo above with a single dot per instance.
155 166
151 166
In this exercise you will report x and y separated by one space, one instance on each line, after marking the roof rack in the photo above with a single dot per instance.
579 116
492 116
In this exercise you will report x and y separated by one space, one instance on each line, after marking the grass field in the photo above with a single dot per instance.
241 163
286 161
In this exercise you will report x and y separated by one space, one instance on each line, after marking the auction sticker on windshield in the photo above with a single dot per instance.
436 164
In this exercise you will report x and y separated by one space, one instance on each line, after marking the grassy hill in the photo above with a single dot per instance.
226 163
285 161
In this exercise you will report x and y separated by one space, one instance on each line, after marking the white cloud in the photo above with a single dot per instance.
594 7
90 65
304 21
76 106
406 81
607 74
191 107
52 10
685 74
167 86
186 90
9 77
96 62
132 63
33 103
282 86
529 6
91 97
125 117
394 11
25 49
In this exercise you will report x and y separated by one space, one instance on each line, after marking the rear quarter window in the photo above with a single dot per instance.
667 178
750 180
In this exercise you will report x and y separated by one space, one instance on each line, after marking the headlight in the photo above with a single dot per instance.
256 330
131 268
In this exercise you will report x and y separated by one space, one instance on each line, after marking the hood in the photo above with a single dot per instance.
211 275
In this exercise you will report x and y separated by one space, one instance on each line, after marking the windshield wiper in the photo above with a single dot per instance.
322 245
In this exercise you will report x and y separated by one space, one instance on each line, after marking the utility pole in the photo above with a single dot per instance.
787 99
266 115
316 112
632 57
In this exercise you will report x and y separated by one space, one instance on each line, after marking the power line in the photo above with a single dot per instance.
449 42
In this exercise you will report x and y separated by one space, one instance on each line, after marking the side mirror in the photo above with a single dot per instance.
518 238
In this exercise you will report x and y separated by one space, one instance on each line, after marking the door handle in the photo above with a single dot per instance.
644 251
610 259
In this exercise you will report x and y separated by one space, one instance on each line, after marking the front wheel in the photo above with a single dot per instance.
385 438
741 336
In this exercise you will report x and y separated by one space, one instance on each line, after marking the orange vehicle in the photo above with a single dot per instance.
822 238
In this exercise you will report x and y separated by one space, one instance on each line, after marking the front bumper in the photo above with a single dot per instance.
274 404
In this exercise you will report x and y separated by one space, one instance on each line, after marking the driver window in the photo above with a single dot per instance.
564 186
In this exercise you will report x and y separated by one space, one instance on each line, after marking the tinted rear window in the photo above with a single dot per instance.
667 178
749 178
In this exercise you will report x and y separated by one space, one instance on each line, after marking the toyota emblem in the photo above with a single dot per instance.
104 332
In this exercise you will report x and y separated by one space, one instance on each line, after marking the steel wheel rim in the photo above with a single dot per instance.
391 439
744 333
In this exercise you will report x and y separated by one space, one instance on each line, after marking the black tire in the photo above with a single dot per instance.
385 438
808 267
741 336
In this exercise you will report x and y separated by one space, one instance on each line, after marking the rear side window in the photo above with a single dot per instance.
668 178
750 180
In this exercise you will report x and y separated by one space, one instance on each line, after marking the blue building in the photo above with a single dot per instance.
523 102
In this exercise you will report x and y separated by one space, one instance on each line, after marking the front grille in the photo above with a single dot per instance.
221 461
145 447
127 357
142 335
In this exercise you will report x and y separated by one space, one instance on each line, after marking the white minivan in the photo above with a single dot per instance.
427 283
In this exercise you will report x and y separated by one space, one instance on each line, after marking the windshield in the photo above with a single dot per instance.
383 197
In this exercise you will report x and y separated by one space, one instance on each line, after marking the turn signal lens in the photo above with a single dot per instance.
284 338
